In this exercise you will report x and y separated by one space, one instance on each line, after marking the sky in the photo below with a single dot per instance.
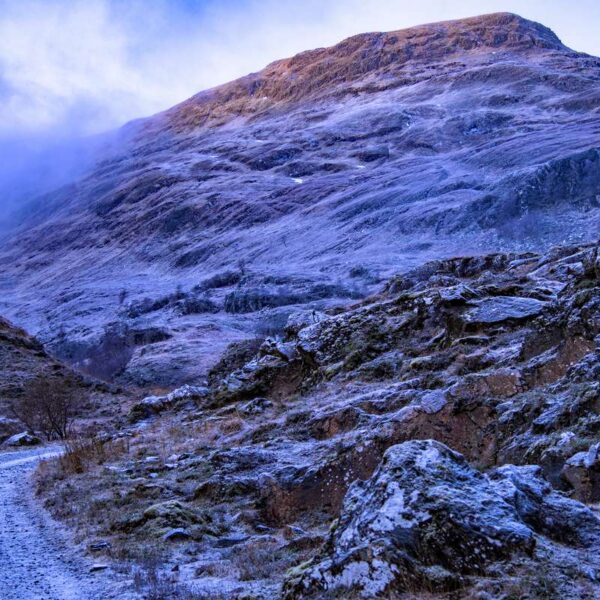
75 67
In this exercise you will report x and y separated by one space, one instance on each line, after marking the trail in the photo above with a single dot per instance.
36 559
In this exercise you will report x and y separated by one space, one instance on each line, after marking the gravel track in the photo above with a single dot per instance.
37 560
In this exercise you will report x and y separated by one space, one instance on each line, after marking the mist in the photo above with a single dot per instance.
33 165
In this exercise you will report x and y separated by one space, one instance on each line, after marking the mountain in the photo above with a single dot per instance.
306 184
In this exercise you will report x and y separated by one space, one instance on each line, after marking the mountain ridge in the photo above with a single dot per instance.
304 75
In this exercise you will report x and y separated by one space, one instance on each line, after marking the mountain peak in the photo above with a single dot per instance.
367 57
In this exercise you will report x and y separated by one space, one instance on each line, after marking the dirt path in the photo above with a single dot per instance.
36 558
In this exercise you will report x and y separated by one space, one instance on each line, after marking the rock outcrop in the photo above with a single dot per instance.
453 454
22 439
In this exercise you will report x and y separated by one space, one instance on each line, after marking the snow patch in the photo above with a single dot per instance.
371 578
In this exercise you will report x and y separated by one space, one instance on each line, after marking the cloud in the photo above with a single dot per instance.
65 65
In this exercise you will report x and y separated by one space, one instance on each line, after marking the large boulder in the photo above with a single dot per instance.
425 520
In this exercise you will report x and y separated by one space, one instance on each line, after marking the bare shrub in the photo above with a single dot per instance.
48 406
231 425
220 280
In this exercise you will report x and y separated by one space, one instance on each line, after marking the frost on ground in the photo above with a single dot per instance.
37 559
296 190
375 155
232 484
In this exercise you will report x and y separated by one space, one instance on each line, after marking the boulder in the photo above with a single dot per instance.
256 406
178 534
173 513
457 294
8 428
171 520
274 371
22 439
301 319
424 521
546 511
153 405
498 309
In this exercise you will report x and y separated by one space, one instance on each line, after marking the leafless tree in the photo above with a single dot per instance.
48 406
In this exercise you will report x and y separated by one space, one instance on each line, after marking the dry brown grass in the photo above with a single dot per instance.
231 425
82 453
263 559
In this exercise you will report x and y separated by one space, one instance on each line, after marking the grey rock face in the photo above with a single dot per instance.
582 471
503 308
153 405
427 521
543 509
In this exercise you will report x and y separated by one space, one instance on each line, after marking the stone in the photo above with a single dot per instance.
301 319
95 568
457 294
545 510
499 309
22 439
153 405
176 535
99 546
255 407
173 516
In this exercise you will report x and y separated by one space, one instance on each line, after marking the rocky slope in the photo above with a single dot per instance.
24 359
438 439
304 184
